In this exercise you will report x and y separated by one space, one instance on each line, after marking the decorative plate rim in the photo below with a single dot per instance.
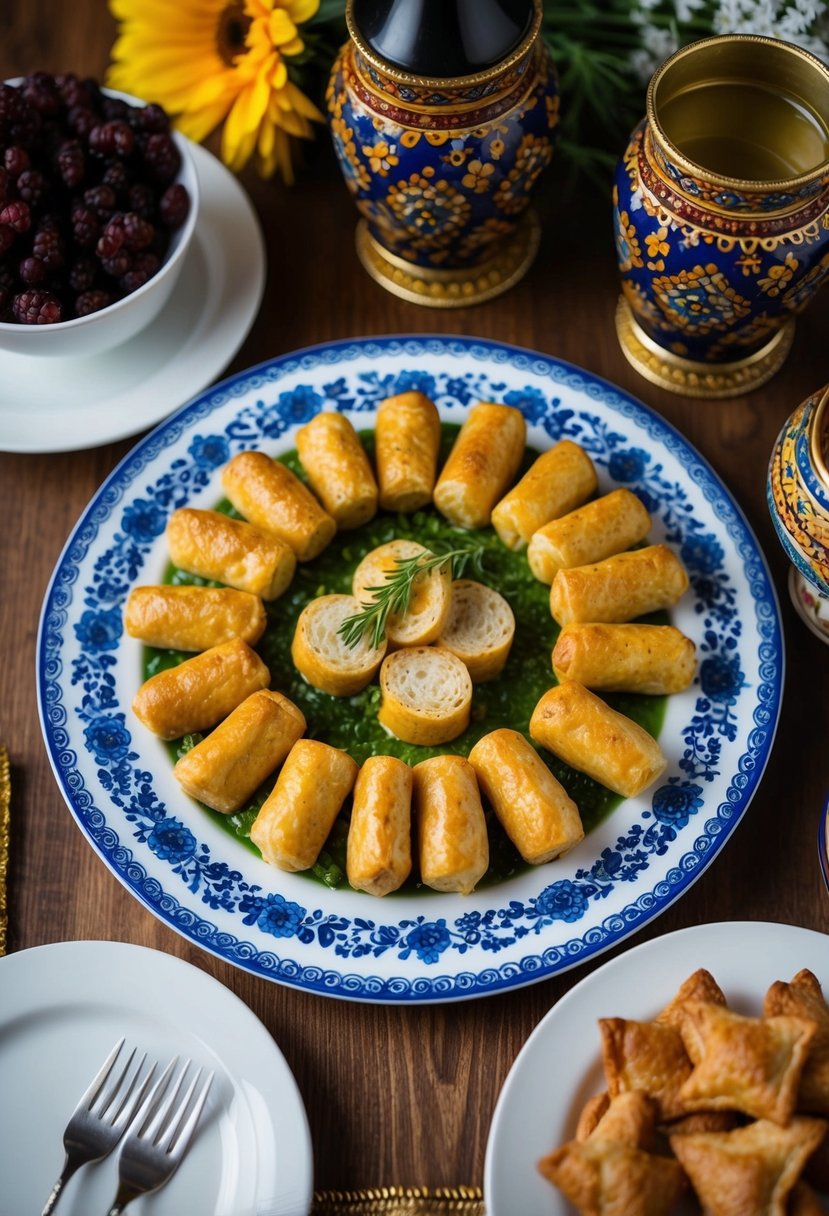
457 985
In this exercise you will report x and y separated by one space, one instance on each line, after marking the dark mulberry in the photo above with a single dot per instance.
174 205
91 301
36 308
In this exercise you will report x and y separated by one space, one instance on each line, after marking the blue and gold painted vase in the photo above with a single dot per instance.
442 167
721 214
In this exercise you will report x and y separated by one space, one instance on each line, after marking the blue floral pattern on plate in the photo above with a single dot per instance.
117 782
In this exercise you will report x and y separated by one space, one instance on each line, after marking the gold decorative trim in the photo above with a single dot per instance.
400 1201
820 428
444 82
5 816
692 378
452 288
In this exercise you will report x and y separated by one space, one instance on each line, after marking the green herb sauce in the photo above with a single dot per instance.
351 722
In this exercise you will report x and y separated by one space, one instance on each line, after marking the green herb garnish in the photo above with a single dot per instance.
392 597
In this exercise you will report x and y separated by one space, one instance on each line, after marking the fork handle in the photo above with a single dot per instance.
71 1163
124 1196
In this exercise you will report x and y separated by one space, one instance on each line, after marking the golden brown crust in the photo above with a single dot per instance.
599 529
425 695
271 497
298 814
338 469
479 629
201 691
648 1057
407 441
604 1179
619 588
452 841
379 853
803 997
588 735
557 482
536 812
700 985
193 618
226 768
230 551
323 658
481 465
655 660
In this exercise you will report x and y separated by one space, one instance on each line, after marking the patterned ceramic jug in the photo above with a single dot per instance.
721 213
798 497
443 114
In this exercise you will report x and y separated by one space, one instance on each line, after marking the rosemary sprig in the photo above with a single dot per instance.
392 596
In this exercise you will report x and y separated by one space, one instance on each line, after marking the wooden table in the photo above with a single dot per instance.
398 1095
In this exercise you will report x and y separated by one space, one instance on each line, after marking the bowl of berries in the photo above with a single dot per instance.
98 204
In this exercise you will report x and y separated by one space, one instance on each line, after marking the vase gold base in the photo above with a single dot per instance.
437 288
694 379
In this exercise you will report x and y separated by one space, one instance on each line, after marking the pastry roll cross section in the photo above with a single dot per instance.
214 546
407 442
226 768
324 658
193 618
578 727
201 691
484 459
425 695
379 850
298 814
619 588
429 599
479 629
453 846
271 497
557 482
535 810
338 469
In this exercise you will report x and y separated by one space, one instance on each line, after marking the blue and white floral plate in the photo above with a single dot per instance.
117 778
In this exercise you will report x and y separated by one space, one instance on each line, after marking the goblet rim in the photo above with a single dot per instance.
816 447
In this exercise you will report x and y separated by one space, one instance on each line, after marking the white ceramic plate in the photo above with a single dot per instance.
117 778
63 404
62 1007
559 1067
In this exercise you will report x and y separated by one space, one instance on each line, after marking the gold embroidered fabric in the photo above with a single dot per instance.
5 810
401 1201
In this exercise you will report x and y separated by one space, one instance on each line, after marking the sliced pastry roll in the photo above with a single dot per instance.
599 529
193 618
379 852
406 446
324 658
536 812
271 497
297 816
429 599
425 695
651 659
483 461
213 546
479 629
578 727
338 469
557 482
201 691
619 588
226 768
453 847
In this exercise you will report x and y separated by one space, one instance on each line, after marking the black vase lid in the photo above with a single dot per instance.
440 39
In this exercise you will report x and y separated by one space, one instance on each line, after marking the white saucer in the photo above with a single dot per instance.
61 405
64 1006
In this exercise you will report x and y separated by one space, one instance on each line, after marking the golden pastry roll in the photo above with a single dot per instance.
651 659
379 849
272 498
300 810
226 768
323 657
214 546
534 809
600 528
193 618
452 841
479 629
425 695
578 727
406 445
338 469
430 596
619 588
484 459
201 691
560 480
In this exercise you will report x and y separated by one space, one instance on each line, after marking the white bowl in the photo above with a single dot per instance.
110 326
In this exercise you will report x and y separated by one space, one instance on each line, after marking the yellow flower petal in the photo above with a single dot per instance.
302 10
280 27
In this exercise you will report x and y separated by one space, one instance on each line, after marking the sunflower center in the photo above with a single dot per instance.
231 31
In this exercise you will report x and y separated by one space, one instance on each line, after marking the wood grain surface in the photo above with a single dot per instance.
398 1095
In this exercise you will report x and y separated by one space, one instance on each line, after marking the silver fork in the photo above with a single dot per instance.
160 1135
101 1116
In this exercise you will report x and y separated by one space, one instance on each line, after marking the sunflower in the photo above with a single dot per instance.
220 61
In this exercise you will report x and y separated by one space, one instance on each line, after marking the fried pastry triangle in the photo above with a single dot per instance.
645 1056
604 1179
803 998
748 1064
629 1118
751 1170
700 986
